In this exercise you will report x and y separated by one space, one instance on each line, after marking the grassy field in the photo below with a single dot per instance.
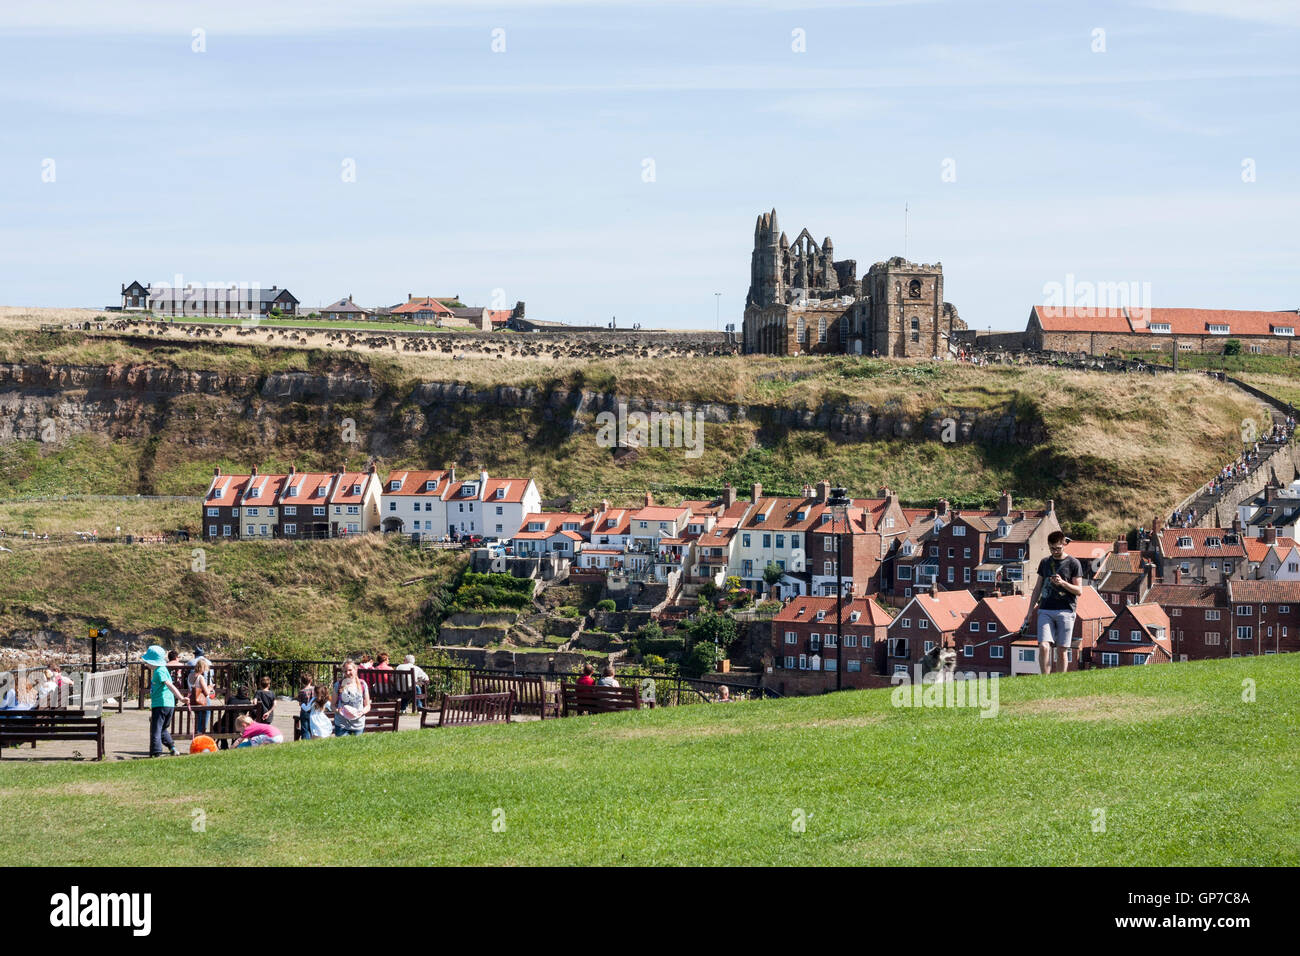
1144 766
280 598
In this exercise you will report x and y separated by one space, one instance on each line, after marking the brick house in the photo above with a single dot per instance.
1138 635
804 634
1265 617
926 620
1099 330
304 505
259 506
1201 555
1199 618
984 638
221 505
872 527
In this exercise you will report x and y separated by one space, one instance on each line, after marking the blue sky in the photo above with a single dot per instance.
523 171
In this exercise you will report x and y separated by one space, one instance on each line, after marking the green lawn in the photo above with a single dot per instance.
1185 771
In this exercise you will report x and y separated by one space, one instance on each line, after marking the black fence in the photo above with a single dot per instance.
670 690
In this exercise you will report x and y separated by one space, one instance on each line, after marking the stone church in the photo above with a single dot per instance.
801 300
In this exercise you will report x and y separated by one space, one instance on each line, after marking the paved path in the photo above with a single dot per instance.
126 736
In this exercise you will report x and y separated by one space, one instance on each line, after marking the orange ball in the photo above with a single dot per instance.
203 744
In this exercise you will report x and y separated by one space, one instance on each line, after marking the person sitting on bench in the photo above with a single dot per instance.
587 680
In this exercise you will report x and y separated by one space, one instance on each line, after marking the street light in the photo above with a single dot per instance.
839 505
717 318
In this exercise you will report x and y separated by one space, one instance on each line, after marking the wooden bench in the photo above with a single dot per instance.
531 695
221 721
396 685
29 726
464 710
380 719
598 700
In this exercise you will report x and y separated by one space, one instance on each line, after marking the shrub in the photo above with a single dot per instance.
713 628
650 631
654 662
1232 347
568 611
703 658
1083 531
605 605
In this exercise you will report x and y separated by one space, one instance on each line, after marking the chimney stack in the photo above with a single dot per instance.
253 473
941 508
216 472
823 491
1051 506
1004 504
292 471
729 495
1269 535
756 492
1178 575
649 499
1236 524
1121 545
451 474
482 482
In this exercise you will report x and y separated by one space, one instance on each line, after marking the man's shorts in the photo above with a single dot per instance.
1056 627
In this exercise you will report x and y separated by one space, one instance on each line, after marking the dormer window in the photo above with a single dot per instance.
1003 529
801 610
1284 330
821 615
1159 326
801 515
430 485
853 617
394 485
1218 329
907 548
1184 542
501 492
1211 542
356 489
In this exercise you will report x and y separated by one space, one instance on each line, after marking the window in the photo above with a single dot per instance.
992 628
1135 636
1245 610
212 531
923 623
225 530
907 622
789 663
1109 660
1140 658
828 543
1211 615
1114 634
803 662
234 512
318 511
767 540
965 552
1284 330
997 651
995 552
1245 632
1218 329
898 647
975 626
780 541
794 541
968 650
965 575
831 640
952 552
959 530
850 640
291 529
821 330
290 511
213 512
1026 655
392 506
1284 609
830 664
904 572
854 667
744 538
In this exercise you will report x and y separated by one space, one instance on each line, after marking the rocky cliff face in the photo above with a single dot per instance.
135 401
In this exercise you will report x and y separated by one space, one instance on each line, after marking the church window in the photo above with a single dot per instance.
914 288
821 329
800 333
916 326
844 328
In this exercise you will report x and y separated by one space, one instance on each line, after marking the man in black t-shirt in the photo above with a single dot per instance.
1060 582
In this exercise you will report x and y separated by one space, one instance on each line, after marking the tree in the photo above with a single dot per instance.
1083 531
772 573
713 628
1232 347
703 658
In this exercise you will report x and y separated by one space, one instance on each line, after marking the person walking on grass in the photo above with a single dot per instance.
351 702
1060 582
163 695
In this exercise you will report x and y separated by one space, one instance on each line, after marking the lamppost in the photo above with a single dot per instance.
839 505
717 318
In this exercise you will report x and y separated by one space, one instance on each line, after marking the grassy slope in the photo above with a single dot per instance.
284 598
1121 447
1186 771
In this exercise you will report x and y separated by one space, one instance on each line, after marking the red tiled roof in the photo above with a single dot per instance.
262 489
1087 550
414 482
305 485
1264 592
343 493
1010 610
225 491
805 609
514 489
1168 543
499 316
1257 550
1180 321
1188 595
423 305
1090 606
659 513
947 609
1150 616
